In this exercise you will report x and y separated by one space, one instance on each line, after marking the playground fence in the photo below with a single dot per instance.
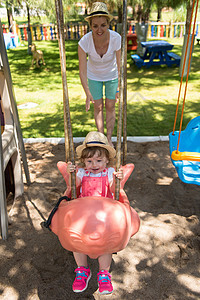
74 31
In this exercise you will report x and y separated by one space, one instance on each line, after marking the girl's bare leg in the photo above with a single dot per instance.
105 262
81 259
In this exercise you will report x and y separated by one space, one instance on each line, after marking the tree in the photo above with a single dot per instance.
177 3
9 5
141 9
160 4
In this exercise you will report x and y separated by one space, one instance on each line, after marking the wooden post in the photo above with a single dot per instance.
3 206
125 103
125 110
69 146
13 103
121 93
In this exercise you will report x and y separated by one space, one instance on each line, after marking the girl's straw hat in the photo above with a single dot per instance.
99 9
94 139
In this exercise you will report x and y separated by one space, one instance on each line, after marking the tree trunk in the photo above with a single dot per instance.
134 13
159 10
29 30
139 13
119 8
10 19
28 16
188 16
146 15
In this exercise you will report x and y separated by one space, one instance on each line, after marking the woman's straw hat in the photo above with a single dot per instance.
99 9
96 139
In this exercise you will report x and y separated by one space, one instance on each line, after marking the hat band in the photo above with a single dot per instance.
95 143
98 13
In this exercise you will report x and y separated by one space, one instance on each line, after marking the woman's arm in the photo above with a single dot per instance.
83 76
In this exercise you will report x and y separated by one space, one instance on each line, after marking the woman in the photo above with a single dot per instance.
103 48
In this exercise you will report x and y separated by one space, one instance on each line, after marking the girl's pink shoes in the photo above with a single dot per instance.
83 276
104 282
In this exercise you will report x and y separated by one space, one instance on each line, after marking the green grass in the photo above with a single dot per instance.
152 93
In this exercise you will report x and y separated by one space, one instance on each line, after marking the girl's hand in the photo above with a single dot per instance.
88 100
70 167
119 174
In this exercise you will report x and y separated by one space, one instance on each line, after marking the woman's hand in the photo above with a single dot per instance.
89 99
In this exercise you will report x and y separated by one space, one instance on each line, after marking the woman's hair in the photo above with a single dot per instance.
91 151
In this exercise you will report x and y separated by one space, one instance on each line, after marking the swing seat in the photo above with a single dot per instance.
187 159
95 225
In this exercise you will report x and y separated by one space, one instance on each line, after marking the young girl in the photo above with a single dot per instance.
95 179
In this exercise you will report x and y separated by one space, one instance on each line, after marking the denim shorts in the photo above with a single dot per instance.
96 88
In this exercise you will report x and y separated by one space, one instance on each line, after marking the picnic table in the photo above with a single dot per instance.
156 53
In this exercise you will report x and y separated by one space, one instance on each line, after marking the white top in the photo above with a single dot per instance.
101 68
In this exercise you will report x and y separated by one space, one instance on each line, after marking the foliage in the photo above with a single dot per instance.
44 7
179 14
70 10
188 3
141 9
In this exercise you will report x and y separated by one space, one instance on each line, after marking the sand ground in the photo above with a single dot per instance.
162 261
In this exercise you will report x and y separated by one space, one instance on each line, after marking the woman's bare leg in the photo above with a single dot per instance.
110 118
98 115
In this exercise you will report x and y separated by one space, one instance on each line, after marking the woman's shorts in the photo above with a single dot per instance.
96 88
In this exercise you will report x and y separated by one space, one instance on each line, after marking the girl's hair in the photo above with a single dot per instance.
91 151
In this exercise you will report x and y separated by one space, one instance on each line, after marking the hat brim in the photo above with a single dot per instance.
111 150
110 17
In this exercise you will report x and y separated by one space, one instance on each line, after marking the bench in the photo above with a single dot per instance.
137 60
176 59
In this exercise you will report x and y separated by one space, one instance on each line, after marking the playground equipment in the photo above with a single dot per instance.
187 159
11 140
93 225
185 146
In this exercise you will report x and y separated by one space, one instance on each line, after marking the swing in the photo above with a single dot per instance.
185 145
95 225
92 225
187 159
